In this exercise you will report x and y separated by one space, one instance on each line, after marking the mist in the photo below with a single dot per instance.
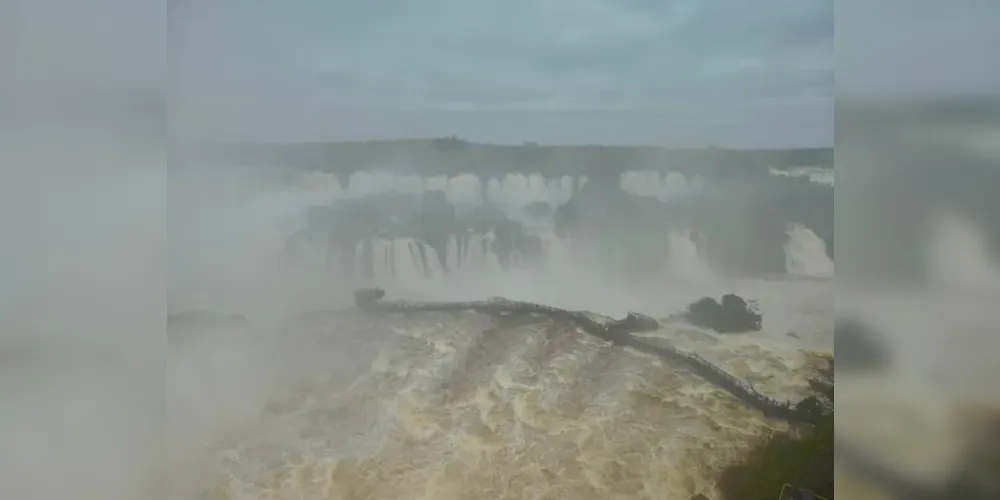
105 240
288 250
82 306
116 404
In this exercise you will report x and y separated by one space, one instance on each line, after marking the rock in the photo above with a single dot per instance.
365 298
637 322
734 314
811 405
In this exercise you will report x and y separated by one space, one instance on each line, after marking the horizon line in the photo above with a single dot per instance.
512 144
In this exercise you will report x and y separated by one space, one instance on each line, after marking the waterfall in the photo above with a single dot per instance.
805 253
958 253
484 256
475 257
389 260
685 257
818 175
407 260
663 187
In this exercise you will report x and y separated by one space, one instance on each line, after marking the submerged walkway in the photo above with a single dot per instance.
615 332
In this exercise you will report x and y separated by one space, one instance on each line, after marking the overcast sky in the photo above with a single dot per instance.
673 72
736 73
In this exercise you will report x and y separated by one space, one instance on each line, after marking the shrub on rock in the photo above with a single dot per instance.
733 314
802 458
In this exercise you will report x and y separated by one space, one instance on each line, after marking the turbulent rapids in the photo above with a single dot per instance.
617 332
501 400
311 398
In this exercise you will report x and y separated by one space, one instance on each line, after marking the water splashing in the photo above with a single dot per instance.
805 253
685 257
958 253
660 186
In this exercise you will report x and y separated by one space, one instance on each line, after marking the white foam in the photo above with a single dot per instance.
818 175
805 253
663 187
511 190
685 257
958 254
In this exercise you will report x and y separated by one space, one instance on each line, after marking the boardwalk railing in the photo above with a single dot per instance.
614 332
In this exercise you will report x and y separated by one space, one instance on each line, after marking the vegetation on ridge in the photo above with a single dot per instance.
802 457
456 155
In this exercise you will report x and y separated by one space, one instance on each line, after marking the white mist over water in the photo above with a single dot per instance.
663 187
818 175
392 260
686 257
805 253
403 260
227 240
433 395
943 344
516 190
406 262
958 253
511 190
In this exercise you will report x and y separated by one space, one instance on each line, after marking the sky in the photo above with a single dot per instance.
729 73
733 73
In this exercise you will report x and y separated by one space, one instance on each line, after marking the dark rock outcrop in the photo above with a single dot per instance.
637 322
734 314
366 298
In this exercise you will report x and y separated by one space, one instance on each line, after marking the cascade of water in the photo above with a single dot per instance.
805 253
959 254
478 255
685 258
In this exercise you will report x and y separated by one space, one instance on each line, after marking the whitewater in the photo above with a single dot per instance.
335 404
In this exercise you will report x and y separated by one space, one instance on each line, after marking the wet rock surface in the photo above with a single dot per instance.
638 322
367 297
